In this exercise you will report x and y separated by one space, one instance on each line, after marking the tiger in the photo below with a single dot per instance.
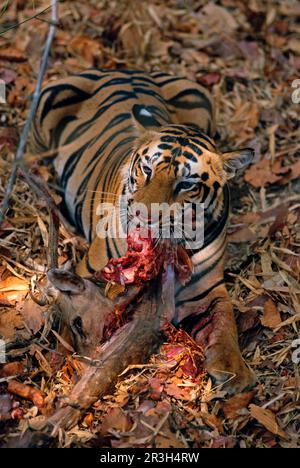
149 138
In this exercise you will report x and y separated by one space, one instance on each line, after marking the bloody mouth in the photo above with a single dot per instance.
145 259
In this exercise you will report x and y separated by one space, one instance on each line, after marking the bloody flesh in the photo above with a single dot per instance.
144 260
141 263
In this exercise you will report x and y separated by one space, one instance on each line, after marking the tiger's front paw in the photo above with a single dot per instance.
228 369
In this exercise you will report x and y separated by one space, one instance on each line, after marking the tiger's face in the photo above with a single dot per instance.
182 165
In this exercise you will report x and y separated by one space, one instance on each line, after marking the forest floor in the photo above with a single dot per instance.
247 53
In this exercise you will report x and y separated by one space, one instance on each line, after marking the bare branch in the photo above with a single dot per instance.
26 20
54 216
4 8
25 133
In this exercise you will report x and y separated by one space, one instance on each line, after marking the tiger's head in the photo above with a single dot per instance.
178 164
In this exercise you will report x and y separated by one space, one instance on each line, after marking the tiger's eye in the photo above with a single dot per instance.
184 186
147 170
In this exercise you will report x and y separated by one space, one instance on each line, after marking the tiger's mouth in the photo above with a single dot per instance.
174 227
145 259
190 232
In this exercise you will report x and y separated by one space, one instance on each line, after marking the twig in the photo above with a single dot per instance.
24 136
4 8
29 19
54 221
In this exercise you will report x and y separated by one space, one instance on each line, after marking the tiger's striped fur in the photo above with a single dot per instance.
148 137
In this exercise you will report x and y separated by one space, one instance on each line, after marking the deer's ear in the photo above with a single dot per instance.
66 281
144 120
237 160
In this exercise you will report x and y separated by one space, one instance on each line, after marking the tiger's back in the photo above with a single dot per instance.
92 120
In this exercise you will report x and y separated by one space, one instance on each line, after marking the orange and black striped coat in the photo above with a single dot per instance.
148 138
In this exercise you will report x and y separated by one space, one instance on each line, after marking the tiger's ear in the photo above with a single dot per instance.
144 120
237 160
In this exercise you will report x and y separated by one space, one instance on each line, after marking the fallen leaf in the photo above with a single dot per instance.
12 368
8 137
247 218
12 290
245 120
250 50
191 56
237 405
131 39
289 9
4 301
271 116
10 322
33 315
180 393
168 439
247 320
244 234
13 284
12 54
261 174
268 419
86 47
279 223
212 421
224 442
157 387
271 317
215 18
295 172
294 45
115 420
